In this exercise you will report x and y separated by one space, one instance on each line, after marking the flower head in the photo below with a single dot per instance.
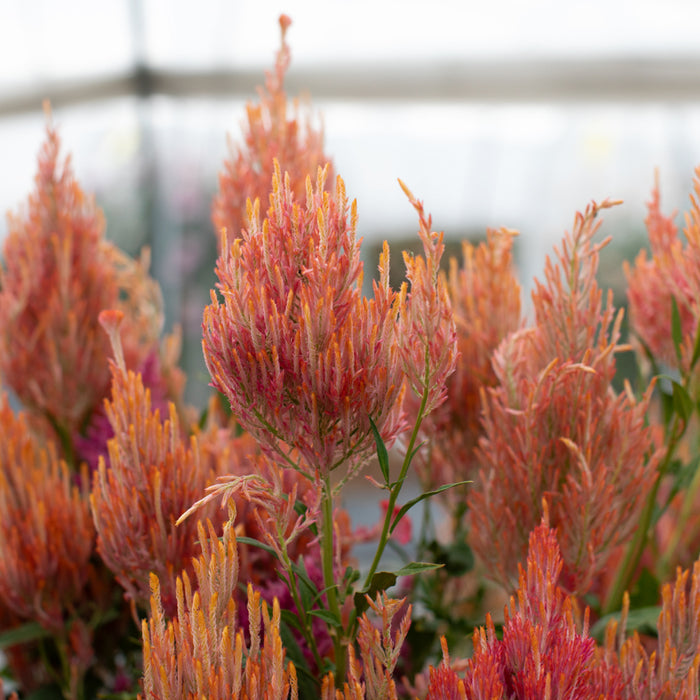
485 298
303 358
554 429
59 274
274 131
154 474
46 532
672 272
202 652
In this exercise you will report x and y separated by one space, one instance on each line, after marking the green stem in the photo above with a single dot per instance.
636 548
301 611
329 583
394 493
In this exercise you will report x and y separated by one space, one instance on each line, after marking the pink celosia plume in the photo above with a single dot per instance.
555 429
303 358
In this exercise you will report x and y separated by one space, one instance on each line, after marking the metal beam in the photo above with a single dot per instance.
675 79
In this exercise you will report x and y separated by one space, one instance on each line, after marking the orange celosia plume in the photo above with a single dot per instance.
485 298
271 133
59 274
46 532
154 474
673 271
201 653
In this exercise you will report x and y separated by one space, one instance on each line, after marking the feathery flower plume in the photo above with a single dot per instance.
273 132
60 273
46 532
427 333
673 271
46 541
671 669
372 676
154 475
201 653
555 430
542 653
303 358
485 298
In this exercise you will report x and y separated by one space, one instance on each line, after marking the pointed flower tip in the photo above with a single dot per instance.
406 191
285 21
111 320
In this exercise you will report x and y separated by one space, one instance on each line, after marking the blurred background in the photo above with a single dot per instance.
499 113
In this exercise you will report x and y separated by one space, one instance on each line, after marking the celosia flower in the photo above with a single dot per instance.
673 271
46 542
554 429
202 653
60 273
485 298
372 676
46 532
154 474
273 131
427 334
671 670
303 358
542 654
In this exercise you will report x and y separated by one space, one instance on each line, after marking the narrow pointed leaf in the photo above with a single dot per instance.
382 454
421 497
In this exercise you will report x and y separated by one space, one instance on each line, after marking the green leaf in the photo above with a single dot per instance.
256 543
457 556
382 454
28 632
326 616
416 567
380 582
421 497
47 692
696 350
682 403
645 592
643 620
676 328
291 619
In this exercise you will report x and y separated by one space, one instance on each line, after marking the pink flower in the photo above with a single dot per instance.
555 430
303 358
673 271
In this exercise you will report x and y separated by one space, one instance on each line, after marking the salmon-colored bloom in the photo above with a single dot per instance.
201 652
372 675
60 273
274 130
671 670
543 653
673 271
554 429
155 473
427 336
305 360
485 298
46 532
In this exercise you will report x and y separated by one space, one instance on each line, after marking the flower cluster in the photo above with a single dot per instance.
274 130
554 429
145 553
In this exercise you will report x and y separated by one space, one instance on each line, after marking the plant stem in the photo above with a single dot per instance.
394 492
636 548
327 558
